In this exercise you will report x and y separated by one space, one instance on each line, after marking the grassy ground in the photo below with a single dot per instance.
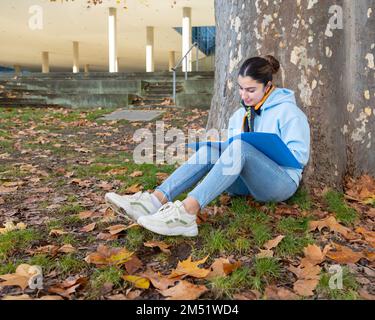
57 163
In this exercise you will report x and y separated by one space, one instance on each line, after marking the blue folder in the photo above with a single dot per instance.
268 143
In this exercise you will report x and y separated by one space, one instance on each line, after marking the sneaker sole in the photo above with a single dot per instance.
120 211
178 231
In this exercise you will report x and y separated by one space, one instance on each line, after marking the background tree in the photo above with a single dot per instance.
326 50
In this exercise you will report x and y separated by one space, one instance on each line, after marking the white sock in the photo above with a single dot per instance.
155 201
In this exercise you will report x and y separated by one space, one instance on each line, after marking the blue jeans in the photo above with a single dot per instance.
239 170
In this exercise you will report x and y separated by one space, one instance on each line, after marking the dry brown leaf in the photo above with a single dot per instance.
133 265
24 273
159 281
116 229
109 256
85 215
308 272
305 287
221 267
277 293
368 235
106 236
344 254
274 242
57 232
134 188
184 290
136 174
249 295
159 244
314 255
68 287
332 224
67 248
90 227
190 268
10 226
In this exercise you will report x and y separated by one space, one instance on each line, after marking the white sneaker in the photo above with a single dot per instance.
131 207
171 220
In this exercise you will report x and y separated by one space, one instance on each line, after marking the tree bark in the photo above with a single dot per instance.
329 66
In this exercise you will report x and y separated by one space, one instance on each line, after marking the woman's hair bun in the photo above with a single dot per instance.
275 64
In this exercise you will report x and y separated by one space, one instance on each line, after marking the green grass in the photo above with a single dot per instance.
135 238
335 202
226 287
100 277
70 264
44 261
302 199
216 242
261 234
8 267
348 291
290 225
242 245
293 244
70 208
18 240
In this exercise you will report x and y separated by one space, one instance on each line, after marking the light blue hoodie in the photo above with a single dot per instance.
281 115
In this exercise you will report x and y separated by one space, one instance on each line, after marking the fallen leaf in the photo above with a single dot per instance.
133 265
22 277
184 290
273 243
139 282
67 248
305 287
116 229
90 227
344 254
10 226
277 293
162 245
158 281
332 224
134 188
57 232
368 235
221 267
85 215
136 174
69 286
190 268
314 255
109 256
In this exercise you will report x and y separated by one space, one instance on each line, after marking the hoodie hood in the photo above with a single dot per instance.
279 96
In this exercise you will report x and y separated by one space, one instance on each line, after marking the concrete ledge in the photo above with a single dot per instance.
199 86
200 100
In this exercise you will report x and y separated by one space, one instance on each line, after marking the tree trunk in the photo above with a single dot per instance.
329 66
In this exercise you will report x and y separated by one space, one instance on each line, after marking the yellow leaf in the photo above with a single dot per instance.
138 282
190 268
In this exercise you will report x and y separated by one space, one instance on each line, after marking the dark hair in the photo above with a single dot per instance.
260 69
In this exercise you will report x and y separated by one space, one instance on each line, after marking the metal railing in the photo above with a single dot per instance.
185 57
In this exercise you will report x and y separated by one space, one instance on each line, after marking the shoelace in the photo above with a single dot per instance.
169 205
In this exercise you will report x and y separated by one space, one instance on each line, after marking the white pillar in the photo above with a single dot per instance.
87 67
75 56
186 37
150 67
172 60
45 62
112 39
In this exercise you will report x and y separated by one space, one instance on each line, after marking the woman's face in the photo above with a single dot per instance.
251 91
